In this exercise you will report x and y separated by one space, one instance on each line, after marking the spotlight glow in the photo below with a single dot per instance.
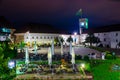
11 64
82 65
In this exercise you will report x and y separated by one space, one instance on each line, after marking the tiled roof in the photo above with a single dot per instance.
39 28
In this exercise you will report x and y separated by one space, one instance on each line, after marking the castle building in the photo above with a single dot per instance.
42 34
109 35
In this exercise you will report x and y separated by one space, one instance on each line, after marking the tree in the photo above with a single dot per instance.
69 39
22 45
61 40
7 51
92 39
58 40
118 45
5 72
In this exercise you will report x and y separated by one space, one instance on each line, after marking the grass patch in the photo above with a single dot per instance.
101 70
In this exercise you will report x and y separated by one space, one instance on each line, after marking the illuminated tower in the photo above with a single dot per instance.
83 23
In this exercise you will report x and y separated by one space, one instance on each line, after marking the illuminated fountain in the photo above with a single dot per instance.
35 48
52 49
49 56
73 58
26 56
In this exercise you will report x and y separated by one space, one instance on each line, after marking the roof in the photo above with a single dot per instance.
108 28
39 28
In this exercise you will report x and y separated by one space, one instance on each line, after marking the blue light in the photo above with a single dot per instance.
6 30
82 23
11 64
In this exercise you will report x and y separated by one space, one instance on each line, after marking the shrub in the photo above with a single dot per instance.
78 57
86 58
108 56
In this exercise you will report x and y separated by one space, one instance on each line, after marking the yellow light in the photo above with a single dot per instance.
82 65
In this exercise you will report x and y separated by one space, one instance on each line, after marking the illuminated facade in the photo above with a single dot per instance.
43 38
42 34
109 39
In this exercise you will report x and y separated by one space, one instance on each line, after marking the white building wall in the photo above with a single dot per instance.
39 37
104 38
83 37
110 39
47 38
115 38
3 38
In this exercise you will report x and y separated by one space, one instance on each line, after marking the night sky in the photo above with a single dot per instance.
61 13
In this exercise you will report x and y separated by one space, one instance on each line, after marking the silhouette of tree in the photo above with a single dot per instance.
69 39
92 39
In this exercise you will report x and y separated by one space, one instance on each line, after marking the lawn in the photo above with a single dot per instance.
102 69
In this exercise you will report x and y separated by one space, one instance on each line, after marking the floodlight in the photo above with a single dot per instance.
82 65
11 64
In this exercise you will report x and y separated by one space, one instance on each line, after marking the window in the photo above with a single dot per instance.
104 34
48 37
44 37
4 37
26 37
116 40
32 37
116 34
51 37
40 37
37 37
104 39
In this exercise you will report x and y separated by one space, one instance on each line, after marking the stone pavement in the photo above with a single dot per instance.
53 77
78 50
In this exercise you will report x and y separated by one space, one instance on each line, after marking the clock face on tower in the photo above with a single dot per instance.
83 23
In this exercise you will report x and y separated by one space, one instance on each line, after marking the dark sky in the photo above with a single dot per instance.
61 13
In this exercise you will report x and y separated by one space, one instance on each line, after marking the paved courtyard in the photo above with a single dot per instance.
78 50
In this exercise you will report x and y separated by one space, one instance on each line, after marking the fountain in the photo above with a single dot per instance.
61 46
53 47
47 66
35 47
49 56
26 56
71 47
73 58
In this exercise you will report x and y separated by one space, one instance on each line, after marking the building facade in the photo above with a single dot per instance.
43 38
110 39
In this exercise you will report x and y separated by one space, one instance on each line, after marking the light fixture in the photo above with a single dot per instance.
11 64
